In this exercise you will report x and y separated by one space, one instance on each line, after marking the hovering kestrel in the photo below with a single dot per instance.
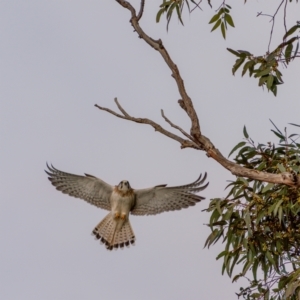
115 230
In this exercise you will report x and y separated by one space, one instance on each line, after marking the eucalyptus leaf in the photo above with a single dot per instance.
223 30
246 135
214 19
229 20
233 52
291 31
216 25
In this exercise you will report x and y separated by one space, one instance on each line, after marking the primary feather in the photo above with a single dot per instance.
89 188
162 198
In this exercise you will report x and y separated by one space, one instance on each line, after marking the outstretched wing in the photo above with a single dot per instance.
88 187
160 198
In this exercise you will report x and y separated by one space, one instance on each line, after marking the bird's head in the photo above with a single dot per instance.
124 186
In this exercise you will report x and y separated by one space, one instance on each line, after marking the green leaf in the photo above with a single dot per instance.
166 4
270 81
223 30
216 25
261 166
214 217
262 73
245 52
278 74
221 11
246 135
237 64
160 12
254 269
247 66
246 267
233 263
279 135
290 41
288 52
277 206
276 129
229 20
282 282
228 260
236 277
296 51
281 168
187 3
239 145
218 207
211 238
266 295
291 31
228 214
267 187
221 254
260 215
170 12
271 57
279 246
270 258
280 214
219 223
294 124
233 52
248 222
179 14
262 80
214 19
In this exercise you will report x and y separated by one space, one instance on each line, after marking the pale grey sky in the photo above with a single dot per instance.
59 58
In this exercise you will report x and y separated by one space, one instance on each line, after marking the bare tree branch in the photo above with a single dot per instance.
158 45
196 139
176 127
273 17
157 127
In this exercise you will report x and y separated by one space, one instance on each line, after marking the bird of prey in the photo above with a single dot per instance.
115 230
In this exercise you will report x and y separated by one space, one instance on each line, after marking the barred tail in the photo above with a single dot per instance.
114 233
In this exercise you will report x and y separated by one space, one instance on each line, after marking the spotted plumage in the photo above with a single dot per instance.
115 230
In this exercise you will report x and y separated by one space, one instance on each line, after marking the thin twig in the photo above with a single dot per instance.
176 127
157 127
141 10
196 5
121 108
284 17
273 19
273 22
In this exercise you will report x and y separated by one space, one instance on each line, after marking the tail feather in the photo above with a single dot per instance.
114 233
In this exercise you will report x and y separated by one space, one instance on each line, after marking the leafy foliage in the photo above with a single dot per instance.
170 6
222 18
267 66
263 67
259 223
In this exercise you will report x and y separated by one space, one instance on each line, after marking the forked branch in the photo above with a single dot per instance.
195 139
184 143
